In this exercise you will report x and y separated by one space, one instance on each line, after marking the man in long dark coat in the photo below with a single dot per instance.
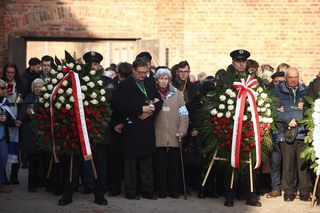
138 101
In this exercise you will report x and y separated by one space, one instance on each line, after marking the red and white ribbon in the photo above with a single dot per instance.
245 90
79 113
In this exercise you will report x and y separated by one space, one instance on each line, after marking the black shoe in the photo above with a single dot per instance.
87 190
253 203
63 202
102 202
201 194
288 198
228 203
241 197
32 190
305 197
57 192
174 195
132 196
162 195
149 195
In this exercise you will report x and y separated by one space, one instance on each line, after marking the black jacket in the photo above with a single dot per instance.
128 100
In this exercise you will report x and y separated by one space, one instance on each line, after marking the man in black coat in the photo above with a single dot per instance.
138 100
32 72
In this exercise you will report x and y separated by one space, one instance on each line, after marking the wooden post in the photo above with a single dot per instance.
71 167
251 177
209 168
50 167
94 170
232 179
314 191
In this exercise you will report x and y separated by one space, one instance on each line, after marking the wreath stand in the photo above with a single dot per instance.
314 191
214 157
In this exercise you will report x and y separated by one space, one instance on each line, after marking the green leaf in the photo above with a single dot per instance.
56 59
309 100
69 58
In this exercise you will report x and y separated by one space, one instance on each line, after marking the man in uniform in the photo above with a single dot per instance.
236 71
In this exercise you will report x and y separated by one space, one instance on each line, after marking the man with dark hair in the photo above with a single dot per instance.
138 100
252 66
146 56
46 62
31 73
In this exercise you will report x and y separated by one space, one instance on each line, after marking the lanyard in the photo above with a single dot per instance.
143 90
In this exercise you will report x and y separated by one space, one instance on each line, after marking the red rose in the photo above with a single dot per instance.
73 127
46 137
61 116
95 113
252 144
96 131
223 127
64 110
262 132
214 118
47 110
228 136
220 121
216 128
251 127
73 145
219 135
75 134
71 112
88 111
63 129
64 145
226 120
268 126
245 124
67 137
247 149
247 134
252 133
100 121
229 130
102 109
263 125
228 143
222 145
40 109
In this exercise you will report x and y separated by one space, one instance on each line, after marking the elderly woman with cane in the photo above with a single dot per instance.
170 126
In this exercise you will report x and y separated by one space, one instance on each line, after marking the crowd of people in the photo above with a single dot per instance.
153 129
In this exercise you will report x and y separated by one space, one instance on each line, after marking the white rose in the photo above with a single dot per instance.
58 105
41 100
90 84
59 76
248 109
68 106
214 112
102 92
260 118
103 99
94 101
86 78
60 91
219 115
43 89
267 105
100 82
83 96
268 112
228 91
264 95
62 99
92 72
84 88
46 95
46 105
54 80
50 87
258 109
270 120
47 80
230 101
228 114
263 109
230 107
222 106
93 95
53 72
233 94
78 67
65 83
245 117
71 99
260 90
86 103
260 102
59 67
222 98
69 91
71 65
265 120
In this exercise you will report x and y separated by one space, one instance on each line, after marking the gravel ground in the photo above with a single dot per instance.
22 201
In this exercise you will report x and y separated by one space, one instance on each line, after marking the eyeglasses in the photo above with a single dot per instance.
183 71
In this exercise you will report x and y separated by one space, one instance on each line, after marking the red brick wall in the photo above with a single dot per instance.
202 32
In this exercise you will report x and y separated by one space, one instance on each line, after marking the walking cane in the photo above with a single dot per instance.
182 168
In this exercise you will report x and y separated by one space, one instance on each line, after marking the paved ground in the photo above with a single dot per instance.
22 201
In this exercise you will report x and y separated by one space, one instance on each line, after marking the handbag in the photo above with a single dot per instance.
290 134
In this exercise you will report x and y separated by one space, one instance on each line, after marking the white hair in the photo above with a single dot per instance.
36 81
163 71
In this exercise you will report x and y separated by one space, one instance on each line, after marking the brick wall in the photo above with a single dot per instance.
202 32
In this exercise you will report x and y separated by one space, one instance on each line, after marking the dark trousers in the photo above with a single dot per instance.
33 172
167 169
145 171
275 166
116 161
99 183
241 185
291 163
